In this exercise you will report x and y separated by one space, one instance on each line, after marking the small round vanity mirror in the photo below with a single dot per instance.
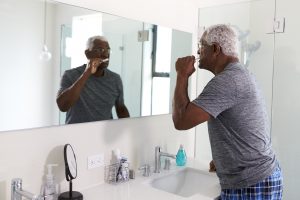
71 173
70 162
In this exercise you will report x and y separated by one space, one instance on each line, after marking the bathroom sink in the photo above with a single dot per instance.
188 182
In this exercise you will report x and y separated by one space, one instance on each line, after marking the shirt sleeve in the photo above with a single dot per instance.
218 95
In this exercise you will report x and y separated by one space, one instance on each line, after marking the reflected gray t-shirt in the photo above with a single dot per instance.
238 129
97 97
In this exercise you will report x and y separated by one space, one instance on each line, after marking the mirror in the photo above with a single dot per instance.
71 173
70 162
143 55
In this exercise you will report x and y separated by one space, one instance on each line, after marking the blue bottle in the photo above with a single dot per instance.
181 156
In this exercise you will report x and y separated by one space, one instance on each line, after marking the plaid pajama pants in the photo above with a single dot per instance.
268 189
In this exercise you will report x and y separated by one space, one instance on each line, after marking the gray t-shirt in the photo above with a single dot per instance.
238 129
97 98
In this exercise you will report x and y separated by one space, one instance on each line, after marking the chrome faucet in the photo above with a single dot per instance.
158 154
17 192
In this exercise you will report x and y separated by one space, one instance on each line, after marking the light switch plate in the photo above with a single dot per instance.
95 161
143 36
277 25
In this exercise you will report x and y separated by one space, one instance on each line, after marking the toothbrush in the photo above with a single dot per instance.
104 60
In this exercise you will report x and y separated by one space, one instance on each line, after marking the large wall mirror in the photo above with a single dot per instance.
142 54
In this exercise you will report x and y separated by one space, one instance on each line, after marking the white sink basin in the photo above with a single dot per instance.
188 182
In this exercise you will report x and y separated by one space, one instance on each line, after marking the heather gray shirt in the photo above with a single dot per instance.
97 98
238 129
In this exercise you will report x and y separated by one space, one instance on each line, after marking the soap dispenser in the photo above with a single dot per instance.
50 189
181 156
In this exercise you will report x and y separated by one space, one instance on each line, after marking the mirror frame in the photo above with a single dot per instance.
68 149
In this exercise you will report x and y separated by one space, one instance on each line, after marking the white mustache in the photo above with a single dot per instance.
198 62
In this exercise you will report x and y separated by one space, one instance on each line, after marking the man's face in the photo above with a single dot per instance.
100 50
205 52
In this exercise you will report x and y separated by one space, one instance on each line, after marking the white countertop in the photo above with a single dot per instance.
138 189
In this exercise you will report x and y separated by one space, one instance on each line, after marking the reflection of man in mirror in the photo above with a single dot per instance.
88 93
235 111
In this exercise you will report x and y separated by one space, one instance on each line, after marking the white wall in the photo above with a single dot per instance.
24 153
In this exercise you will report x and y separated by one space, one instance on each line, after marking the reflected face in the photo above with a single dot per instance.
101 50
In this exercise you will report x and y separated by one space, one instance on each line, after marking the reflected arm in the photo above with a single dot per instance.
122 111
185 114
66 99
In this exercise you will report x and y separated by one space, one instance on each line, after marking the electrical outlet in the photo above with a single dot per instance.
95 161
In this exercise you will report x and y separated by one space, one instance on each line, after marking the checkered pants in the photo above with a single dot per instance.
268 189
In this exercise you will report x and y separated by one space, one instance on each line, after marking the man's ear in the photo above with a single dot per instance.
87 54
217 48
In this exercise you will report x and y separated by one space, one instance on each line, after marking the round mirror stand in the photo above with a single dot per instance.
72 195
67 196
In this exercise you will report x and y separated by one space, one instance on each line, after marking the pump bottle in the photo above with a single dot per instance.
181 156
50 189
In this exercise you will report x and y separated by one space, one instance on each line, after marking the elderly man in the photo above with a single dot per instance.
234 108
88 93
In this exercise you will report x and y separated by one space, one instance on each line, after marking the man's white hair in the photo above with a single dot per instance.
90 41
223 35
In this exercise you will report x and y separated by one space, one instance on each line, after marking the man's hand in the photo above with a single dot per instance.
185 66
93 65
212 167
